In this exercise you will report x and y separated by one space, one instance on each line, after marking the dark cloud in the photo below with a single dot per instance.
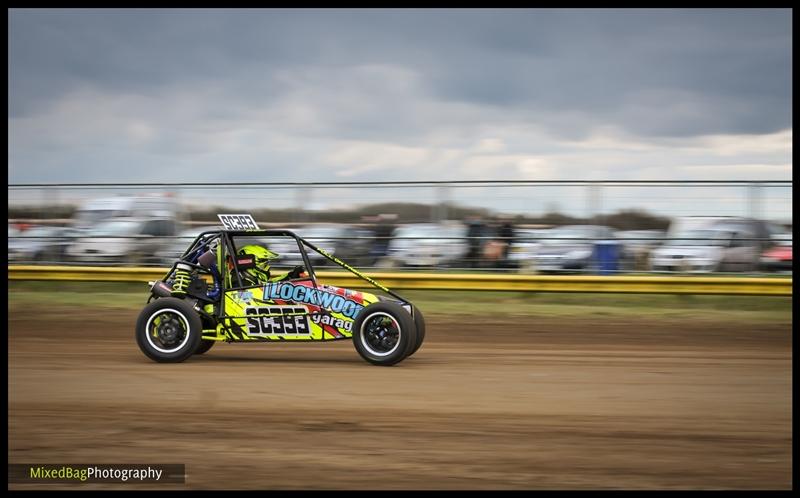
121 95
530 62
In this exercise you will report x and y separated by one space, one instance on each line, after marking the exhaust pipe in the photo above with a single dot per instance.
161 289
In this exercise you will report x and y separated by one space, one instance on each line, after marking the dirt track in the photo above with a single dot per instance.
556 404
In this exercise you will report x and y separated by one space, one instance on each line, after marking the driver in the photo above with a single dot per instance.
259 272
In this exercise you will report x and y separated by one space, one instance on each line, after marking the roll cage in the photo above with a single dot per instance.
219 270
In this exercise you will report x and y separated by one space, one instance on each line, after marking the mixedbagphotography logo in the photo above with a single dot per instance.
31 473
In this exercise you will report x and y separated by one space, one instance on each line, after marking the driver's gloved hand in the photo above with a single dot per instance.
296 272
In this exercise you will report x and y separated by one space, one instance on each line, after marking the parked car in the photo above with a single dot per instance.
429 244
778 258
40 244
759 230
346 242
570 247
637 246
527 242
98 210
683 224
708 250
126 241
174 248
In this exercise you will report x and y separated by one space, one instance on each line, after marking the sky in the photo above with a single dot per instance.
322 95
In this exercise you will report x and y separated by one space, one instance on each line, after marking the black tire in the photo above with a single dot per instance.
419 321
401 327
182 332
204 346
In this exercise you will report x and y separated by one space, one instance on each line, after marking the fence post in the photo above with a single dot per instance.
754 206
299 213
594 204
442 199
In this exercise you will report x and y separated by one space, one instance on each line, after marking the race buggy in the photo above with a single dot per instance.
206 297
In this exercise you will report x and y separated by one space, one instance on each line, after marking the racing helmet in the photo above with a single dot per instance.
257 268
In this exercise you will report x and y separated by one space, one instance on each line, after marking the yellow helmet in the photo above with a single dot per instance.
259 271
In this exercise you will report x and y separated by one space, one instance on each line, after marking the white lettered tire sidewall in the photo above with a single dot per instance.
187 317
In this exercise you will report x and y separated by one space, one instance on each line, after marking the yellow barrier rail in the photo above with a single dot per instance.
463 281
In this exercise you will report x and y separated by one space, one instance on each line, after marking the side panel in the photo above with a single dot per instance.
293 311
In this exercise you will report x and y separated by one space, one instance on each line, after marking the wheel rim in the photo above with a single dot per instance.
380 334
167 330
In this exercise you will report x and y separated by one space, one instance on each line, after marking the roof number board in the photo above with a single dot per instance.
238 222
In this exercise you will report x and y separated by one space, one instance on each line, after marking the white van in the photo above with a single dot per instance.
712 244
123 240
99 210
679 226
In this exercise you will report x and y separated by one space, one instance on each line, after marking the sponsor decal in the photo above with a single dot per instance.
316 297
333 322
284 320
245 296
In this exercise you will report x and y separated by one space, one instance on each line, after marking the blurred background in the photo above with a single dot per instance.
598 141
611 227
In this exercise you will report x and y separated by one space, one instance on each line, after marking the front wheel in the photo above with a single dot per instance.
168 330
419 321
204 346
384 333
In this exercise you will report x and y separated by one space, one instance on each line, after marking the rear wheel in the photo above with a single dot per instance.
384 333
168 330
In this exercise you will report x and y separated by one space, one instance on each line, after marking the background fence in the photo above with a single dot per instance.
313 201
461 224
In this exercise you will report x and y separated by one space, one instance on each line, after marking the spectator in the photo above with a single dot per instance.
506 236
384 230
493 247
475 229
